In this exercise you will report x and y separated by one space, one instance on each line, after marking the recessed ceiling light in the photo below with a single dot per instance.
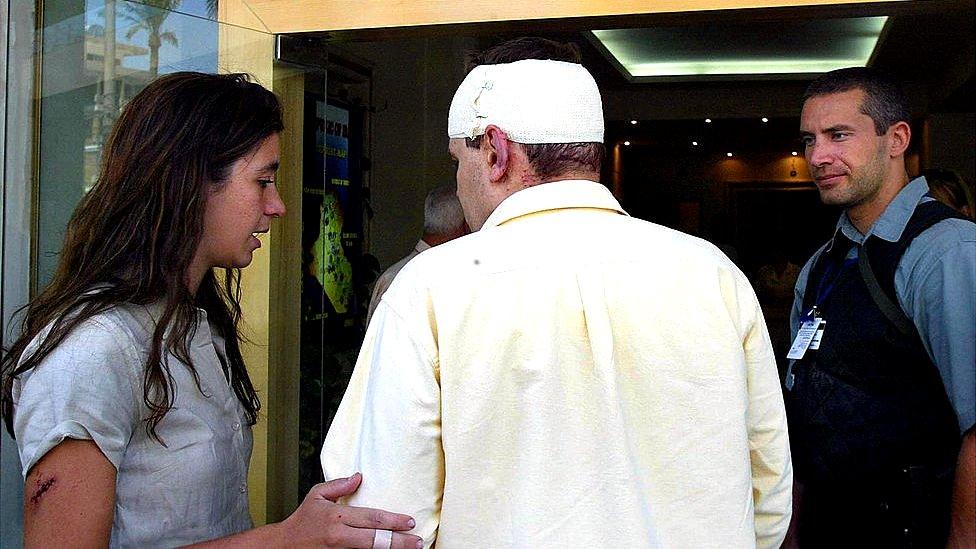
793 153
764 119
728 155
626 143
633 121
677 52
694 143
708 120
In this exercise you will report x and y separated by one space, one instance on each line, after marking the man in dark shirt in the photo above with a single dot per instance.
881 377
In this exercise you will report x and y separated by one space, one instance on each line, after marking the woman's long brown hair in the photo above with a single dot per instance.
133 236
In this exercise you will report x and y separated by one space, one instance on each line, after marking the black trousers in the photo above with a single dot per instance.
909 508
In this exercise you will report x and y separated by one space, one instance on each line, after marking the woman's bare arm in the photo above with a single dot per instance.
69 501
69 497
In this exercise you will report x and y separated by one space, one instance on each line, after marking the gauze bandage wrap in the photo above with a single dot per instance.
382 539
532 101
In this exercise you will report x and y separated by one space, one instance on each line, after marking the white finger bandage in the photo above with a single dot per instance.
382 539
533 101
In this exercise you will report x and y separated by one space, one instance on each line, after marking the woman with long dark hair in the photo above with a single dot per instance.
126 392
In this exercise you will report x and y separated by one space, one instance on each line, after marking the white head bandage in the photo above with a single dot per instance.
533 101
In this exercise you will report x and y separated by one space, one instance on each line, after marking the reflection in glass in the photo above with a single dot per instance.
95 56
149 18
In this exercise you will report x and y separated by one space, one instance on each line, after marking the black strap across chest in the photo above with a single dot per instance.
878 260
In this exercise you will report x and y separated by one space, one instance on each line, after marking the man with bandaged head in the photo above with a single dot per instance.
545 382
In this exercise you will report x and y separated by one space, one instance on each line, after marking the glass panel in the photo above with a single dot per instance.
336 274
333 287
95 55
237 13
206 9
11 483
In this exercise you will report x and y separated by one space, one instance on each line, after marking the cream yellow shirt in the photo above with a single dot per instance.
569 377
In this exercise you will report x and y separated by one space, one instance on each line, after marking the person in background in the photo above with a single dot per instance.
543 382
881 383
443 222
126 391
948 187
774 284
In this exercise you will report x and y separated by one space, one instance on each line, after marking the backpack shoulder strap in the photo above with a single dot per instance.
878 267
891 310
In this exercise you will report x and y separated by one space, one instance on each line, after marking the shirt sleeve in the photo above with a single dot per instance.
388 424
87 388
769 444
936 284
374 300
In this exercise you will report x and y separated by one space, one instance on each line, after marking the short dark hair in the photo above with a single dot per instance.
884 100
526 47
548 160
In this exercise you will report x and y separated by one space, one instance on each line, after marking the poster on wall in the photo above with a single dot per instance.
331 265
332 221
331 245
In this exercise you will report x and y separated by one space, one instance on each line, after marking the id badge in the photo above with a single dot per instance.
815 344
804 337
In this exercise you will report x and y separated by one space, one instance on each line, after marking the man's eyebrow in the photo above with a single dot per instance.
831 129
839 128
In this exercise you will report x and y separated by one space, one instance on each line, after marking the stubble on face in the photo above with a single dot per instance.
849 163
864 182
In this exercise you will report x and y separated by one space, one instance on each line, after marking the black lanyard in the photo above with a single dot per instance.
828 281
825 287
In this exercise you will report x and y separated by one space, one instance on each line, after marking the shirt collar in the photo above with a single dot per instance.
555 195
149 315
421 246
893 220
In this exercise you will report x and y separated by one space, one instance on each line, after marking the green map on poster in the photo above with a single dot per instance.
329 262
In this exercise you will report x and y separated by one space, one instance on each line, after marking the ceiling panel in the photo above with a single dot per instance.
756 49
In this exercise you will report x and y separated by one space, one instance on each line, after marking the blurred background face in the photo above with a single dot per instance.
847 159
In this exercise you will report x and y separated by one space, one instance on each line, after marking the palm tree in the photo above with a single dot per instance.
148 16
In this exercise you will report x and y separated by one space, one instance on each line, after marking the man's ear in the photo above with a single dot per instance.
497 148
901 135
